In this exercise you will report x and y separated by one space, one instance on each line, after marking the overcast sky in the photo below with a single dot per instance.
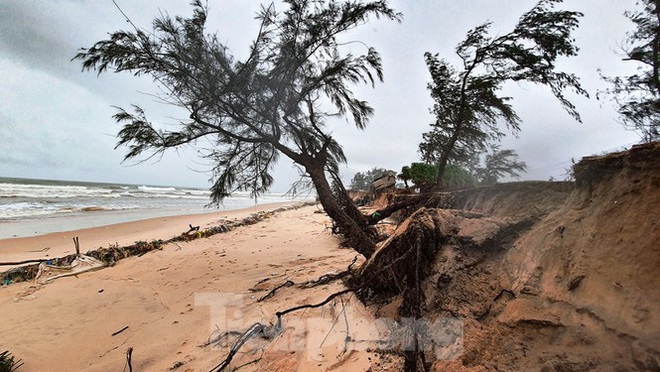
55 121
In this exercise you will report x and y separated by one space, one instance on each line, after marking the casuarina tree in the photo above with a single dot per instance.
279 100
638 95
469 107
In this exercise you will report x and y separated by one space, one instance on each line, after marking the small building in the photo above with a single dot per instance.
385 183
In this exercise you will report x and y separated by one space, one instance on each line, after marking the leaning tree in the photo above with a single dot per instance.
638 95
468 104
276 101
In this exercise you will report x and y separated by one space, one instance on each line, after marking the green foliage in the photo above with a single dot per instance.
405 175
423 175
249 110
638 95
8 362
363 180
468 108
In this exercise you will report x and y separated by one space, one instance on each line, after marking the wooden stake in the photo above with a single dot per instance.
76 243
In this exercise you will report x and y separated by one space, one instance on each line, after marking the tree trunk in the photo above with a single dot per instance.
349 227
415 201
348 205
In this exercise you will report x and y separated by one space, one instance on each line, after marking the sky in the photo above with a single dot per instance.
56 121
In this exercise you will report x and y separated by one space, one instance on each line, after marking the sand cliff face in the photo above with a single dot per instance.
550 276
583 280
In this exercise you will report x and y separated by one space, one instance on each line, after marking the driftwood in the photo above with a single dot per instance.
120 331
16 263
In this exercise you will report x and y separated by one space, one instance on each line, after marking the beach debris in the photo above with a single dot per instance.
16 263
80 264
120 331
20 274
267 332
176 365
114 253
76 244
8 362
111 255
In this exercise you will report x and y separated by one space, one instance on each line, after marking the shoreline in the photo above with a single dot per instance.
59 244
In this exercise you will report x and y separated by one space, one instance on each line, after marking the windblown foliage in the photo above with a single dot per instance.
254 109
468 107
498 164
638 95
273 102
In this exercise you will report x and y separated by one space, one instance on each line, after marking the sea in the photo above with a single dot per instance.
30 207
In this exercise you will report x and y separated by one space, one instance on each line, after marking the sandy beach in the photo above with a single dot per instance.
169 302
59 244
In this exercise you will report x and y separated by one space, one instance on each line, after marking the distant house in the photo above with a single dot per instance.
385 183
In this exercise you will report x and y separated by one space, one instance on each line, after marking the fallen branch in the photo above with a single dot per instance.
16 263
120 331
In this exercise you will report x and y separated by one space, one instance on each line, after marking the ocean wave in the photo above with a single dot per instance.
42 200
42 192
24 210
156 189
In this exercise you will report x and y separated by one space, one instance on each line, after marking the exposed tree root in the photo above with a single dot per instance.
329 278
267 332
270 294
324 279
280 314
255 330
